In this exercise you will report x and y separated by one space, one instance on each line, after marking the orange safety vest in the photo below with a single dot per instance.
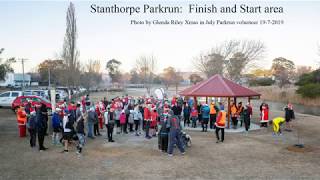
233 110
212 109
21 117
221 120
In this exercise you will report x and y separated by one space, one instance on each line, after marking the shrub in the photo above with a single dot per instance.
261 82
310 90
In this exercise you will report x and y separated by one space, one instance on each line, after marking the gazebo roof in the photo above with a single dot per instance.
218 86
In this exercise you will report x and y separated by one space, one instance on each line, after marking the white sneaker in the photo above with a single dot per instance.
170 155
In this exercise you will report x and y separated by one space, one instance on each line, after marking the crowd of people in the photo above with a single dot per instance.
150 117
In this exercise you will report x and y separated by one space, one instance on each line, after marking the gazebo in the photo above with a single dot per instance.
218 86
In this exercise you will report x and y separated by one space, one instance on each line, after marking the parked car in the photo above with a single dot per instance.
36 100
6 98
38 92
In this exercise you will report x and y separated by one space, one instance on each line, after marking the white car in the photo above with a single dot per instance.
6 98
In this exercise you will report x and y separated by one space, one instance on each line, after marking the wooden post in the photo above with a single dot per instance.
249 99
195 102
206 100
228 113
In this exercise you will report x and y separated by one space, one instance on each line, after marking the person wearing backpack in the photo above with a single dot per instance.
32 128
175 135
56 126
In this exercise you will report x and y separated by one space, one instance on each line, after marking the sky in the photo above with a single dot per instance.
35 30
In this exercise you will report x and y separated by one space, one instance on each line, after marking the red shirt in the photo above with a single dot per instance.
147 113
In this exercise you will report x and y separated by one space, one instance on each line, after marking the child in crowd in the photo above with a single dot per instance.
194 117
122 121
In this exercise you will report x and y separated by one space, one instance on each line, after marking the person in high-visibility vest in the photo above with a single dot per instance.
276 125
220 125
22 120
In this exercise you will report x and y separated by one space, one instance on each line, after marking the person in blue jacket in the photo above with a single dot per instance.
56 126
205 111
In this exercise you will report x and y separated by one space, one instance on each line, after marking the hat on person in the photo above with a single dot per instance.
58 109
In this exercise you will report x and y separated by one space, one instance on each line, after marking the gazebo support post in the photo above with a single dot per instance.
195 102
206 100
228 114
249 99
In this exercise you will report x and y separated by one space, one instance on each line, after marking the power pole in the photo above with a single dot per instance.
22 63
49 78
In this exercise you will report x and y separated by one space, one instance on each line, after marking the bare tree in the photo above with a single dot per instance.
210 64
223 56
283 70
70 54
195 78
146 66
91 74
113 69
5 67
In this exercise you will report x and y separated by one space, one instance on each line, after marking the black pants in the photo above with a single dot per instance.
126 124
212 120
96 129
264 124
136 123
147 128
33 136
109 131
247 124
131 127
186 119
234 122
163 143
41 134
46 127
205 124
123 126
222 133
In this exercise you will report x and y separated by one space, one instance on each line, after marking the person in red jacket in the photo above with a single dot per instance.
264 115
22 120
154 118
147 118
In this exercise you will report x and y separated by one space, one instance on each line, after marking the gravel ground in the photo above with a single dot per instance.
256 156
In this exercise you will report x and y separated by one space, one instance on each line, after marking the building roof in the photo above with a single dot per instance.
218 86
